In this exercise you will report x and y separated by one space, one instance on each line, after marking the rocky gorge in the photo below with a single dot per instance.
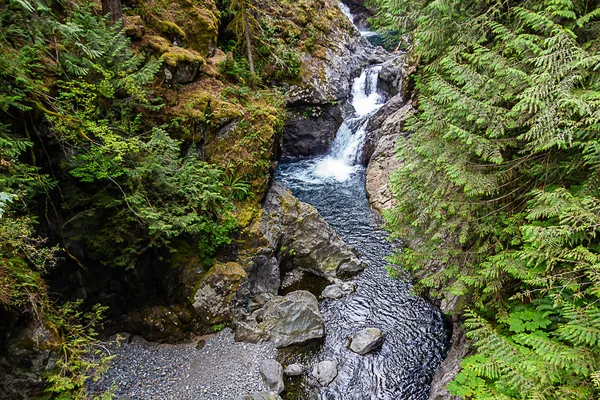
291 287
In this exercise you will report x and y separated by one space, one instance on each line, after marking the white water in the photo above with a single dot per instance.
344 154
346 10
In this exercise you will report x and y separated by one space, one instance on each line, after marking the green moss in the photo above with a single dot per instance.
175 55
169 29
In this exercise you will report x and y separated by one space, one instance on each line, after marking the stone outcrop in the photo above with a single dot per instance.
451 365
366 341
386 127
216 290
28 352
310 129
303 239
291 319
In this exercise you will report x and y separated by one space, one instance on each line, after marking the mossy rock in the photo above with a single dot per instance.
215 292
193 24
177 55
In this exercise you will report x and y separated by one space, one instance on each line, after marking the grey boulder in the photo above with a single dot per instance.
325 372
294 318
333 292
294 370
272 373
367 340
338 290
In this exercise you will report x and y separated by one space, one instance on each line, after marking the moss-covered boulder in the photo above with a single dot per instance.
192 24
214 297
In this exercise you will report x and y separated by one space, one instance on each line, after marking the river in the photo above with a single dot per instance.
417 338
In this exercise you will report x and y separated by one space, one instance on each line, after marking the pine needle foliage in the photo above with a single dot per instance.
498 196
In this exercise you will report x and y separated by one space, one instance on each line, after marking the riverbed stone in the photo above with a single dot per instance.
260 396
338 290
367 340
333 292
272 374
294 369
292 319
325 372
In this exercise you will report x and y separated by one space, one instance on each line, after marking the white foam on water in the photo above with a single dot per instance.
344 155
346 10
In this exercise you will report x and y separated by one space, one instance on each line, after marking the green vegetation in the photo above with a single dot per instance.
499 198
91 136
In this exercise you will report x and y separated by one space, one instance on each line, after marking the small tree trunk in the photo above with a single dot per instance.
113 9
248 42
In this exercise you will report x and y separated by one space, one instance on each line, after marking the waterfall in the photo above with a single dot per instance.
344 154
346 10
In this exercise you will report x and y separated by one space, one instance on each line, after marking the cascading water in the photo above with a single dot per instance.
416 335
342 160
365 33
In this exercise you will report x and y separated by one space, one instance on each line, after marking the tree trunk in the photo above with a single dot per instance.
113 9
248 43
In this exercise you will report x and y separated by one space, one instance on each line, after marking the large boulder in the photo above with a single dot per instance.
214 297
367 340
309 130
272 374
325 372
303 239
292 319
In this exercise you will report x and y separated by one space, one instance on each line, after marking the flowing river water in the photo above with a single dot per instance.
417 338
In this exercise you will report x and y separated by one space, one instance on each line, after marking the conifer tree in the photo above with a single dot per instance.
499 189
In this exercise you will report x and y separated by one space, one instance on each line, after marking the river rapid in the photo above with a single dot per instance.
417 338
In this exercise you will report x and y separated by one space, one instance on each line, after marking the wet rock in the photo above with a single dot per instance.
391 75
349 287
260 396
272 374
309 130
213 300
292 319
325 372
451 365
264 276
303 238
338 290
294 370
367 340
333 292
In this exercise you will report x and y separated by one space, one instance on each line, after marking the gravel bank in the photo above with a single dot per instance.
221 370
